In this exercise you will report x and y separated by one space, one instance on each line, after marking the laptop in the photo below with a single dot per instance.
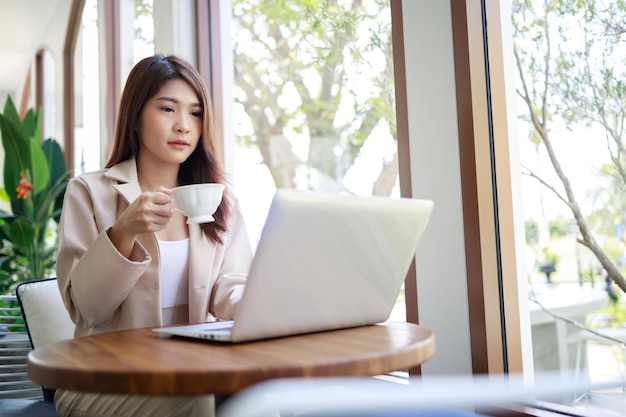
323 262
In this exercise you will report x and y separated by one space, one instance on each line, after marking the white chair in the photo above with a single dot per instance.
19 397
614 337
45 316
46 321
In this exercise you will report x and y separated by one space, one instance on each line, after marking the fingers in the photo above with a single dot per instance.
162 196
150 212
159 205
164 190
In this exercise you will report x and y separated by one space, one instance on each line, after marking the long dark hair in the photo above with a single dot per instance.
144 82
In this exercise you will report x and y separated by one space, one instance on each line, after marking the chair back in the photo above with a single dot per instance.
45 316
44 312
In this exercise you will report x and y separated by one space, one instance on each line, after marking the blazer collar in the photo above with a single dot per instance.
125 173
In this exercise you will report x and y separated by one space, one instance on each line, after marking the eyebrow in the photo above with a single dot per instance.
173 100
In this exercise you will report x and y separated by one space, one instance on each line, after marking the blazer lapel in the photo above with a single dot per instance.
125 173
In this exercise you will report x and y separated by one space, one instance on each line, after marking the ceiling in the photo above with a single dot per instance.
25 27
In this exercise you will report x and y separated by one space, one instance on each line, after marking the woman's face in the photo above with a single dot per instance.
170 124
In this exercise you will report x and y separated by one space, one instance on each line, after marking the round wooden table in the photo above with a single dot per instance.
140 361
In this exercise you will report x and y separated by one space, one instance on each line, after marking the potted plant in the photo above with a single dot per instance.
548 263
35 178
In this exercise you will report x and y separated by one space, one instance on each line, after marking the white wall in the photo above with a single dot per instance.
440 260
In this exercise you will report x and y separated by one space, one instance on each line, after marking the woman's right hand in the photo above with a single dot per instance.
149 213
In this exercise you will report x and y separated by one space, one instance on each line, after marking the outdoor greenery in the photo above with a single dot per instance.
35 178
571 72
616 310
314 75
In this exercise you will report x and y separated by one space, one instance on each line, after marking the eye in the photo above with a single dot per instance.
167 109
196 114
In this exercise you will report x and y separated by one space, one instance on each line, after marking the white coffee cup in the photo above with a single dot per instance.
198 201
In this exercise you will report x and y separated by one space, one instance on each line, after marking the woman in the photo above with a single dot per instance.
121 243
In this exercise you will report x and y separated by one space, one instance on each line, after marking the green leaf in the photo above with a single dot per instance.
56 159
20 207
4 196
31 125
16 155
47 208
21 232
4 231
58 171
10 112
39 164
24 231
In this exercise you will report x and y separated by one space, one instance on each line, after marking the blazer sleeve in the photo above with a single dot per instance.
93 277
230 283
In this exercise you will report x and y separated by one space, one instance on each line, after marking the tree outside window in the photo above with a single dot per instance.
570 62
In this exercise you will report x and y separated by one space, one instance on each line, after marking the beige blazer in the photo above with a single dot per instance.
105 291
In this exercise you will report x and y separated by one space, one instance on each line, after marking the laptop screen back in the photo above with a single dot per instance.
327 261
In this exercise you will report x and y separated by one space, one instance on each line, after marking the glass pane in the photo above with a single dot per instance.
314 101
49 113
87 102
570 82
137 30
143 25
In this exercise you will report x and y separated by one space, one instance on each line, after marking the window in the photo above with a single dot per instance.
87 108
47 93
314 101
570 66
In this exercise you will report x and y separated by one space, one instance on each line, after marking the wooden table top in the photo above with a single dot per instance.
140 361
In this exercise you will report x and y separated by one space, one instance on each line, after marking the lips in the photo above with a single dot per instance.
179 142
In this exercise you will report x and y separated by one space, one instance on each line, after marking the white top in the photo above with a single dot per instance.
174 272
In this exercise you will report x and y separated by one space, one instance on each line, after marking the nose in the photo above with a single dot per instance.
182 124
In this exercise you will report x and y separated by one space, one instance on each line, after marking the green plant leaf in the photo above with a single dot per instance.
24 231
56 159
19 207
10 112
40 172
21 232
4 196
47 209
4 231
31 124
58 170
16 153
